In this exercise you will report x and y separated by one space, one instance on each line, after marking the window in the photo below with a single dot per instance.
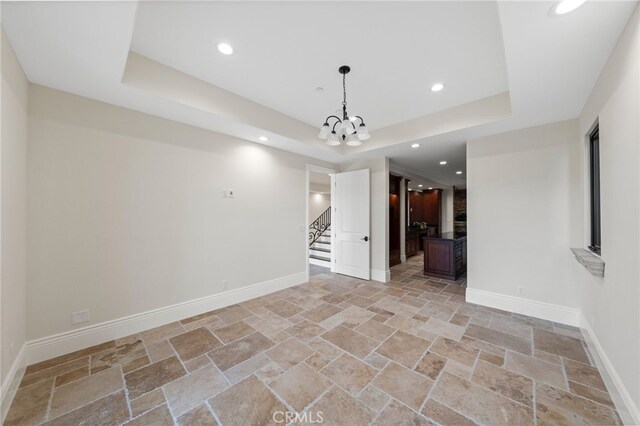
594 188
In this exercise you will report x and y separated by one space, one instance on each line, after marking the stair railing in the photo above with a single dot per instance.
317 228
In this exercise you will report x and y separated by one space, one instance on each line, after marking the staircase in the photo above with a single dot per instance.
320 240
320 250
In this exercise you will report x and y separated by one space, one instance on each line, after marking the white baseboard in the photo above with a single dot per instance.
533 308
628 411
380 275
12 381
70 341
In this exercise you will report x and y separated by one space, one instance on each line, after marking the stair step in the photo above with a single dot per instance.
318 262
314 256
320 253
323 244
323 239
320 249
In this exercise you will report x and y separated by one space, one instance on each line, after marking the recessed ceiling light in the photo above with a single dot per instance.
319 89
442 163
430 188
459 172
565 6
225 48
419 186
437 87
415 145
410 189
263 138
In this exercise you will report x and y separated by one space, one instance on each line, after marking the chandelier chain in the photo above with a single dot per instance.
344 89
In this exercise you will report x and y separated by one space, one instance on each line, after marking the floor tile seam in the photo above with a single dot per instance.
373 379
336 347
77 408
535 404
352 329
126 397
422 355
49 377
49 402
441 402
175 353
283 400
375 349
588 386
533 385
166 401
563 368
346 390
212 411
379 413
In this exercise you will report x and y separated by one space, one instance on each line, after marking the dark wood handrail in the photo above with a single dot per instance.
317 228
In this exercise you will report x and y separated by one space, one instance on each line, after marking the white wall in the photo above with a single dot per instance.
126 212
447 210
13 178
379 188
611 305
318 203
521 193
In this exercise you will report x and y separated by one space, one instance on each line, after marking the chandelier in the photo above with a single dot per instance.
344 129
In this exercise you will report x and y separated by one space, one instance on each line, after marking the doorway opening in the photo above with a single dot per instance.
318 238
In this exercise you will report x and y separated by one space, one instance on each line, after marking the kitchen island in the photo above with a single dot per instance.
445 255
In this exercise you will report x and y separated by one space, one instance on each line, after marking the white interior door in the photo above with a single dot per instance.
350 224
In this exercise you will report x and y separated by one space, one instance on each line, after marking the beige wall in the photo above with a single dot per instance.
13 168
611 305
447 210
379 188
521 193
318 203
126 212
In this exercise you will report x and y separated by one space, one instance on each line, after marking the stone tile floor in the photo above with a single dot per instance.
336 349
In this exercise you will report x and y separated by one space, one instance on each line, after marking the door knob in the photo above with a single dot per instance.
365 238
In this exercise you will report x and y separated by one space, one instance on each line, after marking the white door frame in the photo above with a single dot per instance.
319 169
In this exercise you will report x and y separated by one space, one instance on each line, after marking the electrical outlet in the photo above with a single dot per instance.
521 291
80 317
225 285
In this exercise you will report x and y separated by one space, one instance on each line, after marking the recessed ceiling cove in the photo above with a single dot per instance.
283 51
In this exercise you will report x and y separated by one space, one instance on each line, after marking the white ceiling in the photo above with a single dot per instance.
283 50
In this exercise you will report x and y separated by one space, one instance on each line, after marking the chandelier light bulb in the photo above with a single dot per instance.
324 131
353 140
363 133
333 140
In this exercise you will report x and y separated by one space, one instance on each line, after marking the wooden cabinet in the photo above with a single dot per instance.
445 256
412 242
426 206
394 219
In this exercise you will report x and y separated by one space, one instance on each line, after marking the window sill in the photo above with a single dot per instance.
591 262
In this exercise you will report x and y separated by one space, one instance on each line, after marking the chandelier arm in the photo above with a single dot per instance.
361 119
326 120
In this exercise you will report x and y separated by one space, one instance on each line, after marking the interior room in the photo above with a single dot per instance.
339 213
